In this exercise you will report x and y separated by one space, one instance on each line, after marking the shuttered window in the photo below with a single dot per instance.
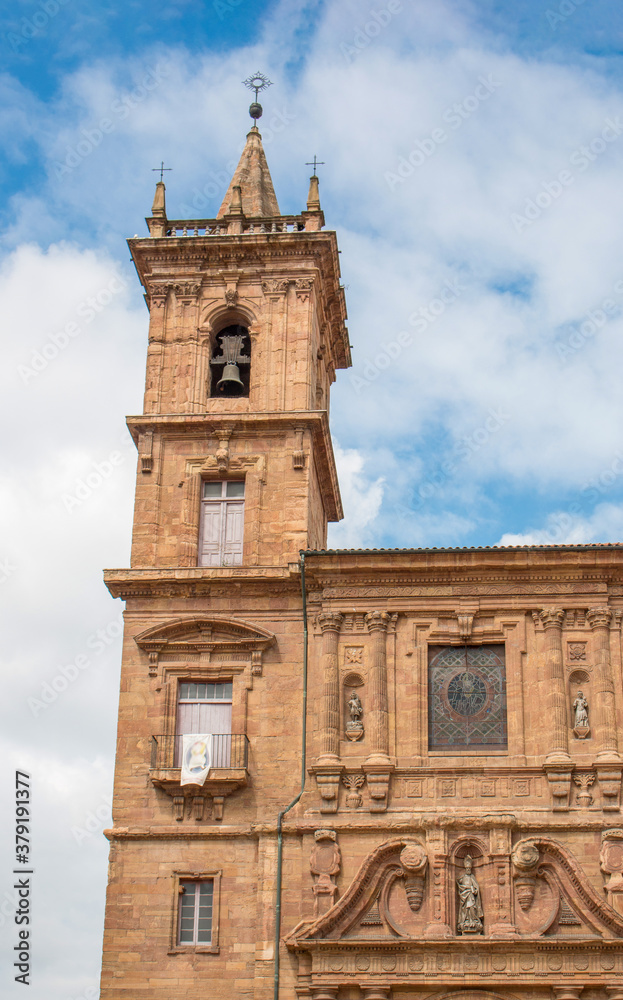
222 524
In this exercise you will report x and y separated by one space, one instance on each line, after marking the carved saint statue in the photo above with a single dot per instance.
580 706
470 906
355 707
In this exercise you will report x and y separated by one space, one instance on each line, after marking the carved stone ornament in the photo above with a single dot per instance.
325 861
353 782
466 624
611 863
577 651
414 861
584 782
469 920
581 727
525 859
354 727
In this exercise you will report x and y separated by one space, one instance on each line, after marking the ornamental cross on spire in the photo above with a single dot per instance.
162 169
315 163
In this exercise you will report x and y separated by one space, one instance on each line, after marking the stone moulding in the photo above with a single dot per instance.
192 636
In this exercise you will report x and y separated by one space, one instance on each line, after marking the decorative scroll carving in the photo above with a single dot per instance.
414 861
275 286
298 455
525 860
576 651
303 287
324 862
466 624
611 863
145 449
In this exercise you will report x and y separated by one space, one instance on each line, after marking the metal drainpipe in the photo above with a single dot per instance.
302 789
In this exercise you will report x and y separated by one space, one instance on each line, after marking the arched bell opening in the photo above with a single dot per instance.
231 362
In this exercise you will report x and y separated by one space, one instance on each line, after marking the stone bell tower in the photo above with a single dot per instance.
235 476
246 331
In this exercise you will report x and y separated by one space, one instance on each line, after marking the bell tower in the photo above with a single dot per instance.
246 330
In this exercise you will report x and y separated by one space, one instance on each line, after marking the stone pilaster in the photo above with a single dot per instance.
604 710
328 768
377 718
558 764
378 767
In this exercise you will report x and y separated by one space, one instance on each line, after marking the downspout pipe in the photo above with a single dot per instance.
302 789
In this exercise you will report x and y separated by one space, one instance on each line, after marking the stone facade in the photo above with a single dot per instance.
459 831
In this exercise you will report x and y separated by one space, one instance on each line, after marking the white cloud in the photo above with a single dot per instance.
361 499
570 527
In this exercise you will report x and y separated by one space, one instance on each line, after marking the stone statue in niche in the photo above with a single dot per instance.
354 728
580 708
470 905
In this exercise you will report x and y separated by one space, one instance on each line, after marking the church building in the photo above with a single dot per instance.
350 774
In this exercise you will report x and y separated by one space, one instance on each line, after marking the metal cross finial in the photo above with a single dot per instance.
315 163
162 169
257 81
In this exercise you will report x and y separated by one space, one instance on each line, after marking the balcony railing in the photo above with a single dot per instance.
220 227
229 751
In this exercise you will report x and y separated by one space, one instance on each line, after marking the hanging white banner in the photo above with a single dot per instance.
196 758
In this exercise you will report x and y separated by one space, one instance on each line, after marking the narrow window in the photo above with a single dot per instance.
195 912
466 697
205 708
222 524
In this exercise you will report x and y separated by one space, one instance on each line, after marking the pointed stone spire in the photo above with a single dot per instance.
158 209
252 177
313 198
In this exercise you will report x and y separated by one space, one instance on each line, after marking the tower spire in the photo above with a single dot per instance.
256 194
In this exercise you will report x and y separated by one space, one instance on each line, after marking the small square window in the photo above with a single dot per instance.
213 490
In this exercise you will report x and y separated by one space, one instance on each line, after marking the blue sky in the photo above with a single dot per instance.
473 160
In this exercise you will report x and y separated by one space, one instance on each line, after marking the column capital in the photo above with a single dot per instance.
377 621
552 617
330 621
599 617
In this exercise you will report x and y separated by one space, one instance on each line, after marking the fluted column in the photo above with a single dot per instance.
377 716
555 701
330 622
604 717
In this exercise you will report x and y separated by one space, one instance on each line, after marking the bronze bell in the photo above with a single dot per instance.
230 383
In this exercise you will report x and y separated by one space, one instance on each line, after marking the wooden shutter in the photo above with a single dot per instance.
233 533
211 535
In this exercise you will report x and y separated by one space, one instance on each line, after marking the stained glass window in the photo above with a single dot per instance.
466 697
